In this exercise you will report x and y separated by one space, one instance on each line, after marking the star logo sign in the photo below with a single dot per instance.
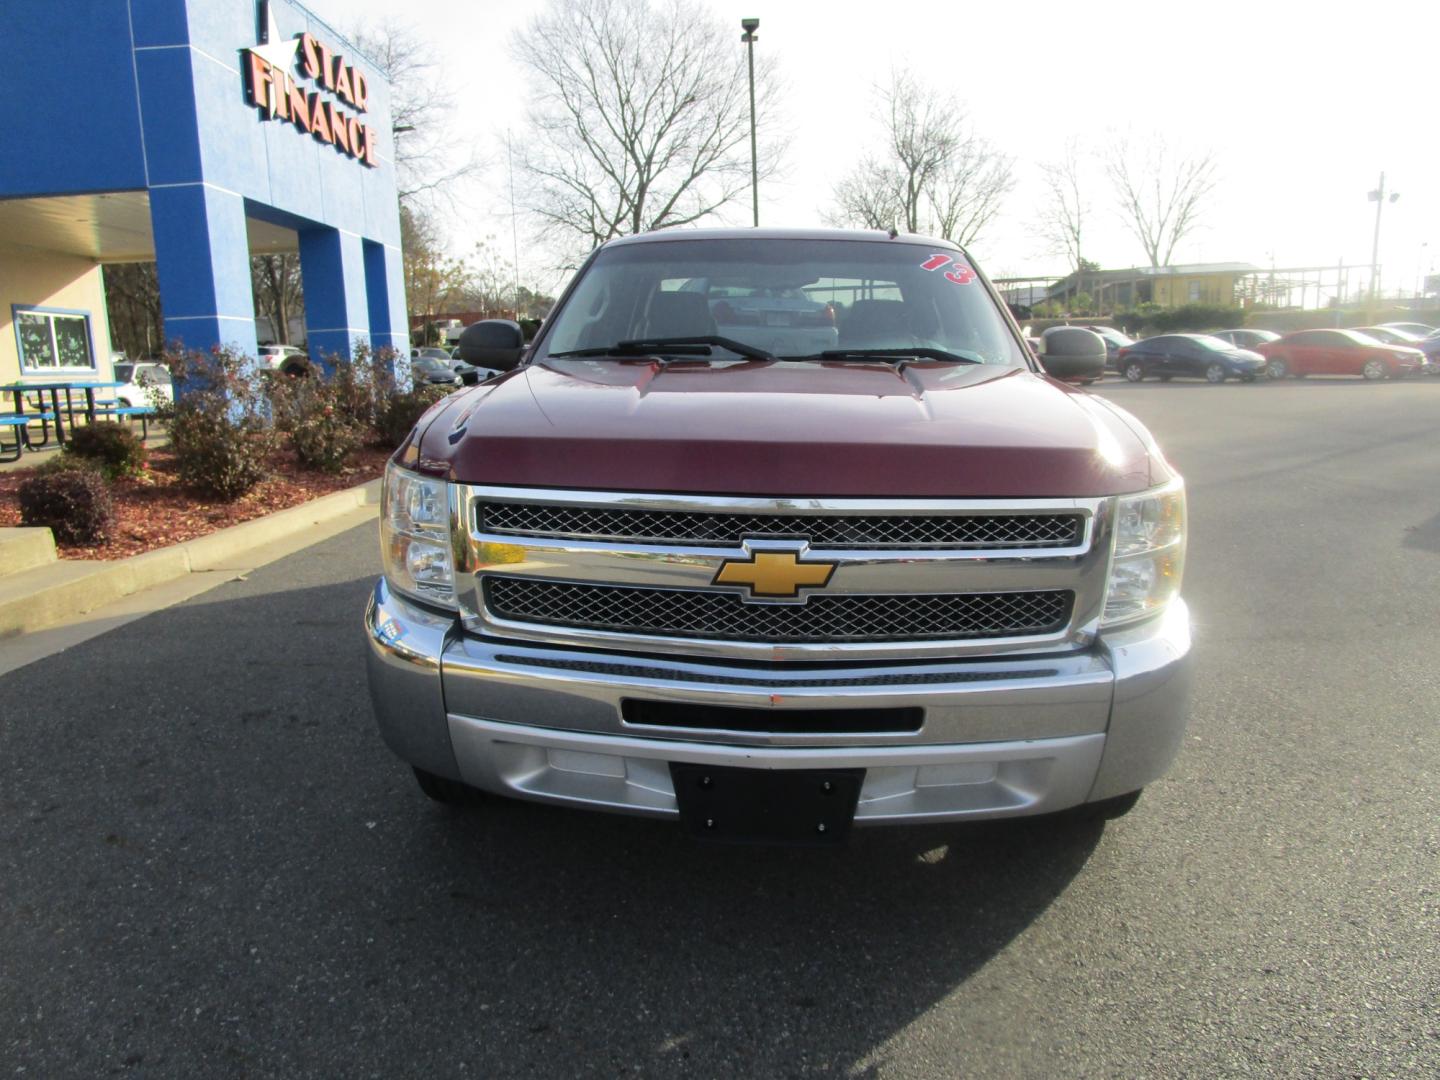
275 50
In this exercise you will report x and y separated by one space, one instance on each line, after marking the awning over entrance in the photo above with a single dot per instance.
109 227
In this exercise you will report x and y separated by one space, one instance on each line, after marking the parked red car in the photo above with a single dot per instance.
1338 352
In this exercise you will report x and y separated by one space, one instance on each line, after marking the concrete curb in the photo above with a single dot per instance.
50 595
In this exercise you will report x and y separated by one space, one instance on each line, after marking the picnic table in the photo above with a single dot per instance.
55 412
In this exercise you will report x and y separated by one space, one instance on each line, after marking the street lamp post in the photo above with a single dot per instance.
1378 198
748 37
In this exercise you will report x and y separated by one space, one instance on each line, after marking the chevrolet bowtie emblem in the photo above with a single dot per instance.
774 573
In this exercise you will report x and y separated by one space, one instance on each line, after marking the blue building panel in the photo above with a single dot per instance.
168 96
237 163
221 28
61 136
382 221
167 100
155 22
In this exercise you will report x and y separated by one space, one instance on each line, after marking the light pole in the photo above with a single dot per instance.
748 37
1378 198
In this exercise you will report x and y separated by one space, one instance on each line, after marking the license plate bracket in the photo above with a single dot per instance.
813 807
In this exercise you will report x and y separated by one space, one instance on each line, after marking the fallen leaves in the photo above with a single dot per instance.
156 511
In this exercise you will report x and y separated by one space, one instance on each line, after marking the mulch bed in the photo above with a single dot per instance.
157 510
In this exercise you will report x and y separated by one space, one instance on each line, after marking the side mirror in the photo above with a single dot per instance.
1073 354
493 343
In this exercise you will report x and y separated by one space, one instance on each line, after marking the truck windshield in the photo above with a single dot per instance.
794 298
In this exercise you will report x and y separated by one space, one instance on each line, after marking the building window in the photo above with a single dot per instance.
53 340
1194 291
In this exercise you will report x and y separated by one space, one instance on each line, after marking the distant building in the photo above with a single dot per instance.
1211 284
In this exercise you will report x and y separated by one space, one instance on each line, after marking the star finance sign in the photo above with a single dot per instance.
270 87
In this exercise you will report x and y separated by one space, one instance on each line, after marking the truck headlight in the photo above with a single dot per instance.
1149 554
415 536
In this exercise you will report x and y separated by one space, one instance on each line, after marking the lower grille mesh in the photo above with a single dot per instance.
725 617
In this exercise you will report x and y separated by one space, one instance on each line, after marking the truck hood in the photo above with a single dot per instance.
924 430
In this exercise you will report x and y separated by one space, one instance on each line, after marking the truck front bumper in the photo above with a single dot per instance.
1023 735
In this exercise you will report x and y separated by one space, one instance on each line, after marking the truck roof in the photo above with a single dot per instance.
662 235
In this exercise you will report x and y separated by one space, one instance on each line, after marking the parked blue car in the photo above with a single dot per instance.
1196 356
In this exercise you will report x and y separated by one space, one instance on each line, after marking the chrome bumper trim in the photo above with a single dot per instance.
1107 720
902 783
964 702
402 663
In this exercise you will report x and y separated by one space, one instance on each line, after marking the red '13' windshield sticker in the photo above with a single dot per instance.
960 275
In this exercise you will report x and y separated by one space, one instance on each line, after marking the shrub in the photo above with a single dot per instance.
220 429
114 447
316 415
1197 317
65 462
325 438
321 433
363 383
402 411
73 503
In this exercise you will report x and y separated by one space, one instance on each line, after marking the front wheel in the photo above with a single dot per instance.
1374 369
1134 372
1215 373
1277 368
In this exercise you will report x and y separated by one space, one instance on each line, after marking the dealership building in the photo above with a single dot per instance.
192 134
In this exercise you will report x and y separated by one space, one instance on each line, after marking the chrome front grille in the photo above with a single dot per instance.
959 531
637 573
723 616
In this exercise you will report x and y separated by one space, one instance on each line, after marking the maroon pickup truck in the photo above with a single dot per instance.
776 532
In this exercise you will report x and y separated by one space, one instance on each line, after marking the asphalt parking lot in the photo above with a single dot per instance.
211 866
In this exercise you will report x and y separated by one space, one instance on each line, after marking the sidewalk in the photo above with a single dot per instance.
44 592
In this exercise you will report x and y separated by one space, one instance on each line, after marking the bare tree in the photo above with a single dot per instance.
639 117
1159 192
429 159
1065 209
433 280
275 280
132 301
937 174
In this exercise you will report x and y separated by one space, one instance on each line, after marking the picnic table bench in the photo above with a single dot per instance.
59 414
18 426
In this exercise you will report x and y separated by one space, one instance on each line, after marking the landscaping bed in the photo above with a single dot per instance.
242 444
156 510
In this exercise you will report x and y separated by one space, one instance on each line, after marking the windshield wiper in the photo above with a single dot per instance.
918 352
675 346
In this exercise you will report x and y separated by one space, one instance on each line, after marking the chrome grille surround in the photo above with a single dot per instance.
923 576
724 616
728 529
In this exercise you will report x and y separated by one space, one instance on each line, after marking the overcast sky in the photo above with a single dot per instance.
1305 103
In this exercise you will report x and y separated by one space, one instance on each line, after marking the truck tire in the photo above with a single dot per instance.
447 791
